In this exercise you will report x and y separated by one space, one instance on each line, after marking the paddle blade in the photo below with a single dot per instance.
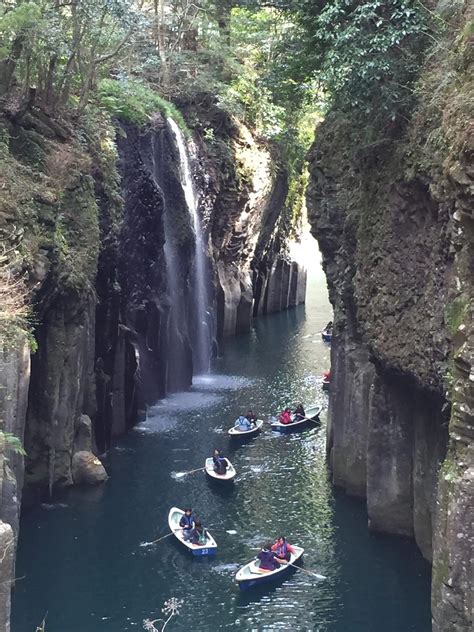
318 576
178 474
231 532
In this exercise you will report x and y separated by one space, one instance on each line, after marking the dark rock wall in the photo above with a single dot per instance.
107 249
14 377
112 287
394 222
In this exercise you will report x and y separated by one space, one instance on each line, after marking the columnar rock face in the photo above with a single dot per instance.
394 223
111 274
110 254
14 380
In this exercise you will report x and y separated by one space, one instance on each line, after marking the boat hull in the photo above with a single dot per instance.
247 579
196 550
326 337
247 434
226 478
312 417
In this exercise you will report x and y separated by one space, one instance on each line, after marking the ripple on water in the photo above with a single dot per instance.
156 423
187 400
220 382
50 506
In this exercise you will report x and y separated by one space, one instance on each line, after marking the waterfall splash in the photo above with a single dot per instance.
202 336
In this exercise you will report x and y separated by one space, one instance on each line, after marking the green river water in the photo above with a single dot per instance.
85 556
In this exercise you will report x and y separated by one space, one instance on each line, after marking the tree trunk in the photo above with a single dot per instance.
8 65
159 10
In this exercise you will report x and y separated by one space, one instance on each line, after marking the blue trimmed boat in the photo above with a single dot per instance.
252 575
244 434
326 335
210 548
312 415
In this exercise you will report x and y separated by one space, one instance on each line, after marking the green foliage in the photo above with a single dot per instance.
19 19
63 48
12 442
455 313
136 102
367 54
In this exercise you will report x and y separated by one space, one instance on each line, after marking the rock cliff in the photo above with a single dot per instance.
96 225
394 222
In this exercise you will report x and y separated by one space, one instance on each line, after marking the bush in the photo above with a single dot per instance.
135 102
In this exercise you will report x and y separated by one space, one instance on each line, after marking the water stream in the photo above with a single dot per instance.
201 338
85 558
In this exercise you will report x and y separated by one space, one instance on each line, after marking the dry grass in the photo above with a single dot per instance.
14 304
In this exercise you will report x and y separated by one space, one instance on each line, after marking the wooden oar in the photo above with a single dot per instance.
181 474
173 532
317 575
167 535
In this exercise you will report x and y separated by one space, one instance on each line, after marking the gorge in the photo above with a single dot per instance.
141 234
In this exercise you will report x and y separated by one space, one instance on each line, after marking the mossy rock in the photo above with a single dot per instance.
28 147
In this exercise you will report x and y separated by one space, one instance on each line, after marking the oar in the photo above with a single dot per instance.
317 575
181 474
174 531
165 536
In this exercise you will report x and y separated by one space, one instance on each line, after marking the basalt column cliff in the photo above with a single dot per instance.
99 225
394 221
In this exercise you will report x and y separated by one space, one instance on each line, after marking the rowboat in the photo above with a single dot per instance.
228 476
312 414
326 335
174 516
236 433
251 574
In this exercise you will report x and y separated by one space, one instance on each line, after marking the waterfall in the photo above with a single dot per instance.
200 329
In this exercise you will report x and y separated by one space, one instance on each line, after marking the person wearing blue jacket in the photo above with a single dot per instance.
187 523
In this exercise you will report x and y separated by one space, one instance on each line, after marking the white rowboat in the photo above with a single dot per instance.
174 516
235 432
228 476
251 574
312 414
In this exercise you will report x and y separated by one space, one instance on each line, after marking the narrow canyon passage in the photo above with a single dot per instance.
85 558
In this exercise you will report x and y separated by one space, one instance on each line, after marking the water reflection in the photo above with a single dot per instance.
84 562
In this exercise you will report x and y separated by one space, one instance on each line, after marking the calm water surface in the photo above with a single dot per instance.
86 560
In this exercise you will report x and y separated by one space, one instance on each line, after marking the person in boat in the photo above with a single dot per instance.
268 559
187 523
299 413
243 423
283 549
198 534
326 376
285 417
220 462
328 328
252 417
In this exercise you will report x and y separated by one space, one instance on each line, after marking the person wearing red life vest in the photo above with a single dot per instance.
285 417
283 549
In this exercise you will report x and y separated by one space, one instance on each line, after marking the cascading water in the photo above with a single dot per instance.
201 333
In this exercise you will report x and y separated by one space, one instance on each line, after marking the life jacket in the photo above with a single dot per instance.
281 549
